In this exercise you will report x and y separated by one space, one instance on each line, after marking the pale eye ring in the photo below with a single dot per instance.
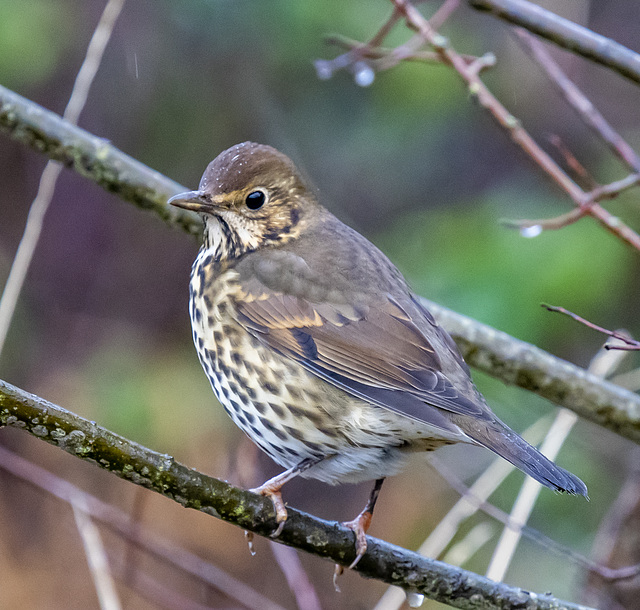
256 199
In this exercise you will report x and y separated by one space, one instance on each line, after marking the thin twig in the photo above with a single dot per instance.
565 33
35 219
137 535
587 207
325 69
578 100
96 557
513 127
386 58
630 344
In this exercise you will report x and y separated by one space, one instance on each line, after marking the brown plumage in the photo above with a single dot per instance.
316 346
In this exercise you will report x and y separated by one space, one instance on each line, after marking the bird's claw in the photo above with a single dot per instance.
278 506
248 536
337 572
359 527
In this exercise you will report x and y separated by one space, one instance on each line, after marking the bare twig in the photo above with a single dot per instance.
330 540
585 201
383 58
630 344
578 100
378 58
506 547
96 557
325 69
49 177
587 207
138 536
566 34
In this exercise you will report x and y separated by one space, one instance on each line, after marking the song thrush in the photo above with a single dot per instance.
315 345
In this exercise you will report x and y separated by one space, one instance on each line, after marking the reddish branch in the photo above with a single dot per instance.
629 343
586 202
576 98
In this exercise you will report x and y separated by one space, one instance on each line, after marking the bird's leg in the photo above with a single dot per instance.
272 487
361 523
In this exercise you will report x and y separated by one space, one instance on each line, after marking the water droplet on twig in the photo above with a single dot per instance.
531 231
363 74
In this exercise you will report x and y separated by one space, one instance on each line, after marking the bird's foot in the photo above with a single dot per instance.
272 491
359 527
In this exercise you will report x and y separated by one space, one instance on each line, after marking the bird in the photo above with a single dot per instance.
316 346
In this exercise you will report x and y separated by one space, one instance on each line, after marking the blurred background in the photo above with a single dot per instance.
102 327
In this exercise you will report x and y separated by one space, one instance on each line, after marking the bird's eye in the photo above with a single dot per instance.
255 200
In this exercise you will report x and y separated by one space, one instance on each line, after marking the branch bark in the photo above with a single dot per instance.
519 363
565 34
485 348
330 540
93 157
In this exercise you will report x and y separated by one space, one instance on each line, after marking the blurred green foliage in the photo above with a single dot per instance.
33 41
463 257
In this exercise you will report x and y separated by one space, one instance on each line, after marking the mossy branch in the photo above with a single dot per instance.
519 363
92 157
494 352
330 540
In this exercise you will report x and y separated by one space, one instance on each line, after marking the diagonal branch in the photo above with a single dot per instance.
565 34
92 157
519 363
584 201
592 117
162 474
494 352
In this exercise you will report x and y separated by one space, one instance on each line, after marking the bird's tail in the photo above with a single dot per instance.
508 444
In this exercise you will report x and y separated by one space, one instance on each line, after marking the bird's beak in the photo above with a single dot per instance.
196 201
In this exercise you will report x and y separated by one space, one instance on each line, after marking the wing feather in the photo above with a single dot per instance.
374 350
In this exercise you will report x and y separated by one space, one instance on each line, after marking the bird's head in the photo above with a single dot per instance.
251 196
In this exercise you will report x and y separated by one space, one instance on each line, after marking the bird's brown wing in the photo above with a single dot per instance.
374 351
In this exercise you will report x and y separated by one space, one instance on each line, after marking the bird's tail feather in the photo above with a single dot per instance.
507 444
